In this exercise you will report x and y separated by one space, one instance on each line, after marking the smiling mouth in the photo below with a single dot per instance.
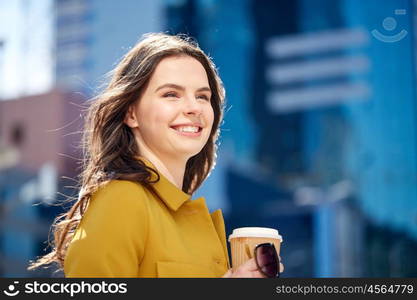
187 129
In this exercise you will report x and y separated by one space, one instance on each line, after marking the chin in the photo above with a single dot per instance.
189 154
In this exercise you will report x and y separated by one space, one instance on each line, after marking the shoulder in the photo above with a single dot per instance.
121 187
120 193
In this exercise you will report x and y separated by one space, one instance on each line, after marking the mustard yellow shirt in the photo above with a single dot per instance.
129 232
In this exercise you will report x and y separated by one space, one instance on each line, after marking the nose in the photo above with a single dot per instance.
192 106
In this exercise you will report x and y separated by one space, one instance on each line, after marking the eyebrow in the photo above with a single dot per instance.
181 88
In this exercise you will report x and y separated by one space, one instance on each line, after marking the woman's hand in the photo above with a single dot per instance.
248 270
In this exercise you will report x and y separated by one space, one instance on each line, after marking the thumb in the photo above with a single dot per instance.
228 274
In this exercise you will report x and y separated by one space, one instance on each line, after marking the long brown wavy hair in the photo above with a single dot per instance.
109 146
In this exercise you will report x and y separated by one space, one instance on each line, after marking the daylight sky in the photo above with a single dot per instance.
26 63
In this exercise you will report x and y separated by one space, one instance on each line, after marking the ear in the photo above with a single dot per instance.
130 118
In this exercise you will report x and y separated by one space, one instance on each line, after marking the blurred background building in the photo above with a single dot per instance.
319 138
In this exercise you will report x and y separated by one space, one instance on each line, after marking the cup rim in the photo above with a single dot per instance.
261 232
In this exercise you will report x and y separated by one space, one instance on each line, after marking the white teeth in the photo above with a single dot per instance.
187 129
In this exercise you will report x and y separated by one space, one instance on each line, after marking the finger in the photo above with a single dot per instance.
257 274
247 270
228 274
242 273
281 266
250 265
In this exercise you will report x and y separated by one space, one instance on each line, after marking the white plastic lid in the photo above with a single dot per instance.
255 232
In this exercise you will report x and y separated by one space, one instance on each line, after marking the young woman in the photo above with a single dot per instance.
150 142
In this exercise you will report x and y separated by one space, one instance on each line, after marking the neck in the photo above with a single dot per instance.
172 169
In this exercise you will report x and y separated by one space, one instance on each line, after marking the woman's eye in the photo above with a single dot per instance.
170 94
203 97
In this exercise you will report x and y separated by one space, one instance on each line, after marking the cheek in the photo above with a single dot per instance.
210 116
164 115
156 117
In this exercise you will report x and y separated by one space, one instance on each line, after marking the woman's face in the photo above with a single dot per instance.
173 118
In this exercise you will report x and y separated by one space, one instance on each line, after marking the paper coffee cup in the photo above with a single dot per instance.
251 236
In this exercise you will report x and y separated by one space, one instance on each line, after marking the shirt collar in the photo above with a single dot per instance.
169 193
